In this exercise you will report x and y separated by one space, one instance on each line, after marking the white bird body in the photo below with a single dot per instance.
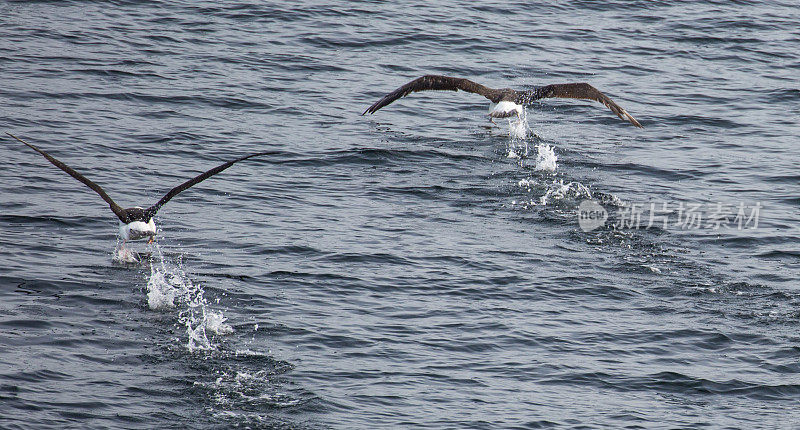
137 230
504 109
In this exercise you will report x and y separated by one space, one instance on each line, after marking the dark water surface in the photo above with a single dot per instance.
398 270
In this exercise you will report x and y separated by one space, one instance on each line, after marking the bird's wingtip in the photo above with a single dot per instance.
623 114
16 138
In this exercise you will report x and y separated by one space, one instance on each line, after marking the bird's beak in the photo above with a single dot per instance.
152 238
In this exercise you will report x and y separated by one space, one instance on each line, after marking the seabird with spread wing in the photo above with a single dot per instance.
137 222
505 101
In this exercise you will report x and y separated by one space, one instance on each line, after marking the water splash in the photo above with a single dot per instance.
518 132
162 288
518 128
554 192
558 190
545 158
170 288
124 255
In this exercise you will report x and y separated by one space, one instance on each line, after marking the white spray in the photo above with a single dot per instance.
170 288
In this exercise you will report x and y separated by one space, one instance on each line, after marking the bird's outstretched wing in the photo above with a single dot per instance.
575 91
151 211
436 82
117 209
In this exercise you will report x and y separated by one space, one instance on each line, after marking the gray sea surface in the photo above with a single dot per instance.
416 268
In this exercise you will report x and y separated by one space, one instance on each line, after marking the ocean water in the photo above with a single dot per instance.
416 268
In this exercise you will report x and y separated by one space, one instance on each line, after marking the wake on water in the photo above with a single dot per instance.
545 162
169 288
235 389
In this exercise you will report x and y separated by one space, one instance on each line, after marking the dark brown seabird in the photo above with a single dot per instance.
505 101
136 222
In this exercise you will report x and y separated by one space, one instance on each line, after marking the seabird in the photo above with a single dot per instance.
137 222
505 101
